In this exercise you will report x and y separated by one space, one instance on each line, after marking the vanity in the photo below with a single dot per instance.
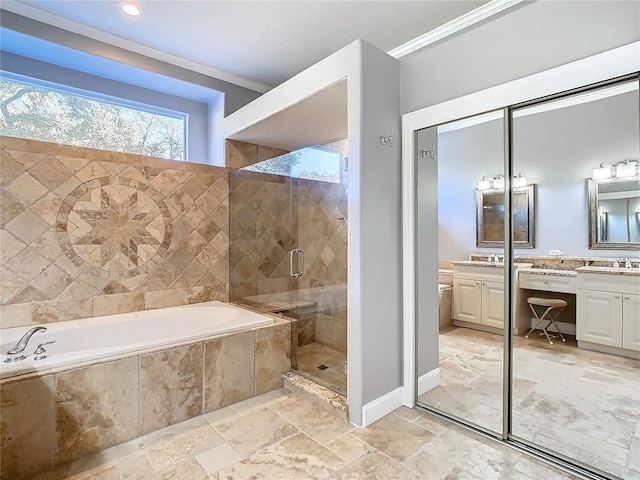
608 310
478 296
604 302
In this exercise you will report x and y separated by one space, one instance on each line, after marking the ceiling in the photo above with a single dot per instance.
256 44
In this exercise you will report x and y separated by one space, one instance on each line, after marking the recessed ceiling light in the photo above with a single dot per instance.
130 8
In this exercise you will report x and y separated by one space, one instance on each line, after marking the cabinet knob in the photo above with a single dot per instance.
616 296
626 297
546 283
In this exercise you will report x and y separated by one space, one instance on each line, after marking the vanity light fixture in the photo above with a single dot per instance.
485 184
131 9
627 169
498 182
603 172
520 181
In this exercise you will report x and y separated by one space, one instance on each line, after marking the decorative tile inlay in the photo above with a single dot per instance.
115 224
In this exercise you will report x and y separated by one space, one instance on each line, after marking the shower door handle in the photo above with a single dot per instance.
298 273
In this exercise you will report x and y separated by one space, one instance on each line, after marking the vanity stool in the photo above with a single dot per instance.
551 304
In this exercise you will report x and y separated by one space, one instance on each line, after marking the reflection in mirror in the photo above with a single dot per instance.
614 214
490 217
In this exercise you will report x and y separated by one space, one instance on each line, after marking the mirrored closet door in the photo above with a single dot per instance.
460 304
538 343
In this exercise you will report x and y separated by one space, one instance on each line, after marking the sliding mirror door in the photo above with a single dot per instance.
460 298
576 394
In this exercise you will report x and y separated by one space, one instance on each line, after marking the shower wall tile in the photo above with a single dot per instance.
161 402
272 356
96 408
28 426
61 247
229 370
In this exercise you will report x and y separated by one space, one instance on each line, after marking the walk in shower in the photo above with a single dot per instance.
288 249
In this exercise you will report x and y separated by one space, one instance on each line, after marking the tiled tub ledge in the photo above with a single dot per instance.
58 415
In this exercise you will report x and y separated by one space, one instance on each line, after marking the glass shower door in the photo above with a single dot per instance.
288 252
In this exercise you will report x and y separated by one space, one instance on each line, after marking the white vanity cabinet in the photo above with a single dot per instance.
478 295
608 310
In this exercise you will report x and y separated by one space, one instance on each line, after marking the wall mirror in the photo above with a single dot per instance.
614 214
490 217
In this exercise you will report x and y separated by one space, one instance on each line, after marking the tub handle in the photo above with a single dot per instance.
299 273
41 353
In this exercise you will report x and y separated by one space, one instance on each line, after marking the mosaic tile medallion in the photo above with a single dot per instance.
117 225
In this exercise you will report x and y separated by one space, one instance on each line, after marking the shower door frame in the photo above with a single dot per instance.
600 68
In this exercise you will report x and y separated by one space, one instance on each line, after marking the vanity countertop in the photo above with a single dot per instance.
610 270
550 272
484 263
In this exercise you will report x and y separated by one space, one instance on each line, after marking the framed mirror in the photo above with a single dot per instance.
490 217
614 214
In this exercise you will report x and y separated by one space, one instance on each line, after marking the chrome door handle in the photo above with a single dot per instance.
299 273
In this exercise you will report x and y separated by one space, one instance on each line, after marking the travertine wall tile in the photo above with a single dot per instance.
58 310
273 356
229 370
96 408
80 223
118 303
15 315
28 426
165 298
170 386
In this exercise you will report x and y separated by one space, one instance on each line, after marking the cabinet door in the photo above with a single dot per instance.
631 322
467 300
599 317
493 304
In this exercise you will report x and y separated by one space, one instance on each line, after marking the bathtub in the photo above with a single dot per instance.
95 338
444 304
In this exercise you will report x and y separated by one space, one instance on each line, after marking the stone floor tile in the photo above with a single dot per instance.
295 458
348 447
256 430
394 436
321 425
218 458
167 456
260 401
374 466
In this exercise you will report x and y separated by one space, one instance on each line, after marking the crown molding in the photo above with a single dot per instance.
457 24
117 41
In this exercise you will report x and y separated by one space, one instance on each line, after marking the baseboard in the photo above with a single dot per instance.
381 406
428 381
566 328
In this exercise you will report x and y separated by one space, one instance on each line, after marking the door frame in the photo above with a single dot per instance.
597 68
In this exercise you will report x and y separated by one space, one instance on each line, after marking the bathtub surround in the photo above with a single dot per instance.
66 413
88 233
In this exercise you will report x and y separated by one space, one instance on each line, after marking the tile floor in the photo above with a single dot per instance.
281 436
312 355
583 404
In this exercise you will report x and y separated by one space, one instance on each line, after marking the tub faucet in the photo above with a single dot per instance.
15 354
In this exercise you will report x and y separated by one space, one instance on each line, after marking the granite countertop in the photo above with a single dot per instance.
550 272
484 263
610 270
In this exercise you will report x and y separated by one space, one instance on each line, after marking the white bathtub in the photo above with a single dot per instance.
98 337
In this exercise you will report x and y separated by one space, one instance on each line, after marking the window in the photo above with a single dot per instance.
320 162
40 111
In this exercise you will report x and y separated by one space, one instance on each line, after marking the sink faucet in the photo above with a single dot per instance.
627 263
15 354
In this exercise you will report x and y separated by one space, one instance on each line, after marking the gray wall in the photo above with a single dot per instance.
235 96
557 150
426 263
529 38
381 220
